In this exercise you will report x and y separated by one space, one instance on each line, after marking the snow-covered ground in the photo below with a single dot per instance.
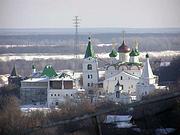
121 121
45 56
3 80
117 118
30 108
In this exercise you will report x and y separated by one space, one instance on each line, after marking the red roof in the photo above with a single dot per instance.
123 48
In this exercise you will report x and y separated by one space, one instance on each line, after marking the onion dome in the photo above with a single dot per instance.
134 53
137 51
89 50
113 53
147 55
123 48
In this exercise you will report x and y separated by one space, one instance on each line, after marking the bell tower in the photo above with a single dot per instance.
90 68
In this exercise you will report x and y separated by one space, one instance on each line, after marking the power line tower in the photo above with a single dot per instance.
76 22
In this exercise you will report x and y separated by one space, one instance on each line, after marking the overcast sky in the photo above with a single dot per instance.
94 13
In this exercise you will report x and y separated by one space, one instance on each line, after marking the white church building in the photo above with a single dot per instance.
134 77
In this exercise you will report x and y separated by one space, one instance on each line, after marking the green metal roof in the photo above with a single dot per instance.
113 53
137 51
134 52
49 71
89 50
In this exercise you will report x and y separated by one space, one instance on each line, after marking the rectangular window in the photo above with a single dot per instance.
68 84
88 84
56 84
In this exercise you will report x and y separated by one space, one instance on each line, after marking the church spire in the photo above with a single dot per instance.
89 50
14 73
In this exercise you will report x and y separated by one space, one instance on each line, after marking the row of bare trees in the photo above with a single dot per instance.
15 122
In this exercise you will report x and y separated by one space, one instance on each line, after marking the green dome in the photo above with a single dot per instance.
113 53
137 51
49 71
133 53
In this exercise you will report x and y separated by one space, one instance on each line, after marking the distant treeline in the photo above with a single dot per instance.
65 43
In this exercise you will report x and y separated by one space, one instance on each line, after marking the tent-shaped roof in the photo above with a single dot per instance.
14 73
89 50
49 71
147 71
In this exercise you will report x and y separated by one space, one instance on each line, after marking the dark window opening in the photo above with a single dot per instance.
89 67
117 94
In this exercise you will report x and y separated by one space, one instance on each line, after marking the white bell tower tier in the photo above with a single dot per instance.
90 68
123 51
147 82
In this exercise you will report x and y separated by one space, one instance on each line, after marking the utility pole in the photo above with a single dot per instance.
76 22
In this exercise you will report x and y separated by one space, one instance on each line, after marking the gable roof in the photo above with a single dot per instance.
123 72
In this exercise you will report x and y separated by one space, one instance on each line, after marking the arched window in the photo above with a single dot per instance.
89 67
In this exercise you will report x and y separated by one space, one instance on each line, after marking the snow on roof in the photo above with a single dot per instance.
123 72
36 80
64 79
117 118
81 90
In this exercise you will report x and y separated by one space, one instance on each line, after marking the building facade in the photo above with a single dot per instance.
47 87
135 78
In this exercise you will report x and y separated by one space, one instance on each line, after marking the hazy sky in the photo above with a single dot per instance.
94 13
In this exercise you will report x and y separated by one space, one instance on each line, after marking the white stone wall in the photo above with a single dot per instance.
128 81
110 72
122 99
134 59
57 96
124 57
144 90
90 76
